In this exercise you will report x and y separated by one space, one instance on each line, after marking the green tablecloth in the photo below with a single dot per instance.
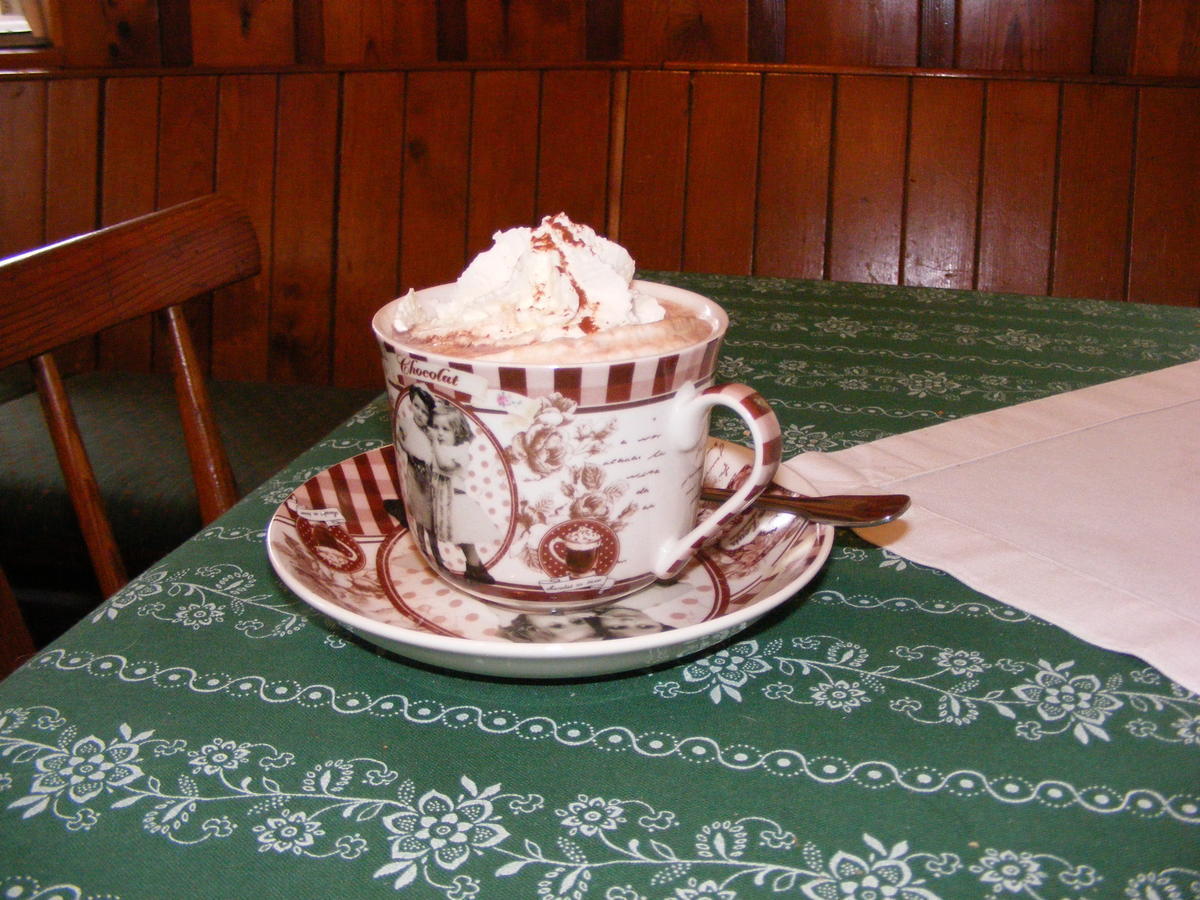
888 733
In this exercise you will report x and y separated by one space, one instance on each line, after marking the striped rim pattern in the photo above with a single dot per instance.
597 384
357 488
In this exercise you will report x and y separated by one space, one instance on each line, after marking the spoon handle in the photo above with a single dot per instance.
854 510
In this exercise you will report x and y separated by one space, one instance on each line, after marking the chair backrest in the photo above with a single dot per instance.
83 285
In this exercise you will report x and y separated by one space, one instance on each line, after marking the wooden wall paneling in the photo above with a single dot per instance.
1114 36
187 149
128 188
526 31
368 233
1091 229
853 32
867 198
605 29
793 183
245 171
378 32
1017 205
433 219
686 30
942 200
1165 267
722 176
72 163
131 32
302 256
1026 35
766 28
238 33
22 190
939 24
655 168
1168 38
504 132
573 150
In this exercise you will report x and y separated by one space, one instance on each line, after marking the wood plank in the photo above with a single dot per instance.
504 129
186 170
1026 35
236 33
1168 38
942 203
853 32
793 189
767 31
72 164
653 183
1020 143
939 24
379 32
1095 174
302 259
1114 36
867 199
368 236
131 32
722 173
245 173
437 135
128 188
605 31
526 31
1165 267
573 150
23 137
686 30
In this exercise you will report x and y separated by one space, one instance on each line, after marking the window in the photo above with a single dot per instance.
23 23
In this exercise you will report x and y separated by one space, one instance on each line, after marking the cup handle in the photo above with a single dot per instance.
688 423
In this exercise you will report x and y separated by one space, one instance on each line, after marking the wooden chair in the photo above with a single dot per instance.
83 285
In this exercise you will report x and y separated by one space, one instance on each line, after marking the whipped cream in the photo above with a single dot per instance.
559 280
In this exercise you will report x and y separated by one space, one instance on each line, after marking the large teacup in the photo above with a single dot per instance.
566 485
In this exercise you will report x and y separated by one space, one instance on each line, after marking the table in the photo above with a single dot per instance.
889 732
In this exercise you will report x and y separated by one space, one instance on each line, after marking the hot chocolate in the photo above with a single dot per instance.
558 293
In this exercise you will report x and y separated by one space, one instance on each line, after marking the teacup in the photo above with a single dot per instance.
545 487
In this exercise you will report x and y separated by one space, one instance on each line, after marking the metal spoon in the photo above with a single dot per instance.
853 510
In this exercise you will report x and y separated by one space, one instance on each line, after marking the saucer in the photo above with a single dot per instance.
334 543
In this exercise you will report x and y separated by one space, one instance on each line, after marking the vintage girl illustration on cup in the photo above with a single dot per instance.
435 437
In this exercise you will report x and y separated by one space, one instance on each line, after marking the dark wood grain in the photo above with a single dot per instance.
1095 166
718 231
1168 38
246 170
687 30
504 131
1164 265
1017 206
368 217
302 257
942 202
237 33
655 171
853 32
573 149
793 188
867 200
187 169
526 31
129 188
375 33
437 135
23 135
1026 35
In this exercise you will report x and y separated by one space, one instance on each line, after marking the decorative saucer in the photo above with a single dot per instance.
335 544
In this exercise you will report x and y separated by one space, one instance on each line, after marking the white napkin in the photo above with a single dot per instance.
1082 508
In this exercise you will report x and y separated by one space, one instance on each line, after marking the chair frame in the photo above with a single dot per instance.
80 286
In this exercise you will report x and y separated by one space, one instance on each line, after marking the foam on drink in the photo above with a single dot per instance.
546 295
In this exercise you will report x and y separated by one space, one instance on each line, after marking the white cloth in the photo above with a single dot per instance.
1082 508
